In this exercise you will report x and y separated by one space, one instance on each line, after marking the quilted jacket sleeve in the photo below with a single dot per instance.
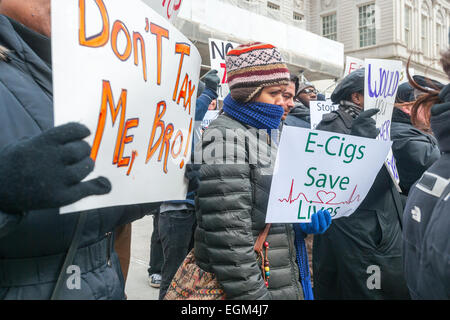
224 207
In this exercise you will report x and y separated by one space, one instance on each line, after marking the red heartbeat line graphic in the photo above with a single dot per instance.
321 196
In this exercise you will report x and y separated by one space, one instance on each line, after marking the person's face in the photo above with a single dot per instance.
272 95
358 99
34 14
306 95
288 99
213 105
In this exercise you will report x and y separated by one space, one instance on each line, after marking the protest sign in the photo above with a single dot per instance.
218 50
352 64
318 170
128 75
382 78
318 109
168 9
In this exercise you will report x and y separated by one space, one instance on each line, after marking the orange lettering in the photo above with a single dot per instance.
132 123
178 135
137 37
183 91
117 27
107 98
100 39
156 123
165 147
160 33
183 49
191 91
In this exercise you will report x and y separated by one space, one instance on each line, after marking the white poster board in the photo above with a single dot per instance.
352 64
318 109
168 9
318 170
218 50
128 75
382 78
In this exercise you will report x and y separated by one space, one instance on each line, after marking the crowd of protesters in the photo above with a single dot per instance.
220 223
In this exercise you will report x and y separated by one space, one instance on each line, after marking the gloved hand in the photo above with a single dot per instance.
320 221
212 80
364 125
46 171
192 174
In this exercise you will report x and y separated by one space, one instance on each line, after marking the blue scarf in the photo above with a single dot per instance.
302 261
256 114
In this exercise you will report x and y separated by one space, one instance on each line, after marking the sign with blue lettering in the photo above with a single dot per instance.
382 79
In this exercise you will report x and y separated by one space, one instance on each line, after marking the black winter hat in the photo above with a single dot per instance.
352 83
405 93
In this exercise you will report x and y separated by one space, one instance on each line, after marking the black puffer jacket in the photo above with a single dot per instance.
414 151
426 219
231 206
33 246
355 247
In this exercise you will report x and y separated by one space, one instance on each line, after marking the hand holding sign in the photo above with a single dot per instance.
320 221
46 171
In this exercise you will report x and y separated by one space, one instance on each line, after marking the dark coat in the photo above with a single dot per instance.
33 246
426 221
299 116
231 205
343 257
414 151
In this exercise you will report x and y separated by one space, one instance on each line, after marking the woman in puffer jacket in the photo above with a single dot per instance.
235 180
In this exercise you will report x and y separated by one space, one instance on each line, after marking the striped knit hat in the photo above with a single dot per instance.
253 66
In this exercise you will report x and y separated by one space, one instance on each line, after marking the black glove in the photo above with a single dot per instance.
212 80
192 173
364 125
46 171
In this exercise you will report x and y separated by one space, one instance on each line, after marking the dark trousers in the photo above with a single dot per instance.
176 230
156 251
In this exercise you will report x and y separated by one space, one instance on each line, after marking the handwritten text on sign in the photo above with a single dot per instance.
325 171
218 50
382 79
131 78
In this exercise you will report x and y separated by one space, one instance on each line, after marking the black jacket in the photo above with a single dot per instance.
33 245
414 151
345 256
426 221
231 205
299 116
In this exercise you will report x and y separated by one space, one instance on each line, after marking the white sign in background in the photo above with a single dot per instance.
168 9
318 109
382 78
352 64
218 50
317 170
131 77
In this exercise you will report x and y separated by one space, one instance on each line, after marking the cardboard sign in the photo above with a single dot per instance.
382 78
352 64
128 75
318 170
318 109
218 50
168 9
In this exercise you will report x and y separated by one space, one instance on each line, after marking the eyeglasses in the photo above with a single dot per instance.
309 91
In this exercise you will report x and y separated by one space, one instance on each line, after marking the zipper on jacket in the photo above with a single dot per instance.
108 252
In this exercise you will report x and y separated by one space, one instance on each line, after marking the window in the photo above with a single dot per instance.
424 35
329 27
297 16
273 6
367 31
407 26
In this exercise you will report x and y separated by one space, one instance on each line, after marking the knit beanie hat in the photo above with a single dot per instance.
253 66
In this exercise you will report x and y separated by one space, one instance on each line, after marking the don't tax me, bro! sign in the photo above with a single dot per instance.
318 170
126 73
